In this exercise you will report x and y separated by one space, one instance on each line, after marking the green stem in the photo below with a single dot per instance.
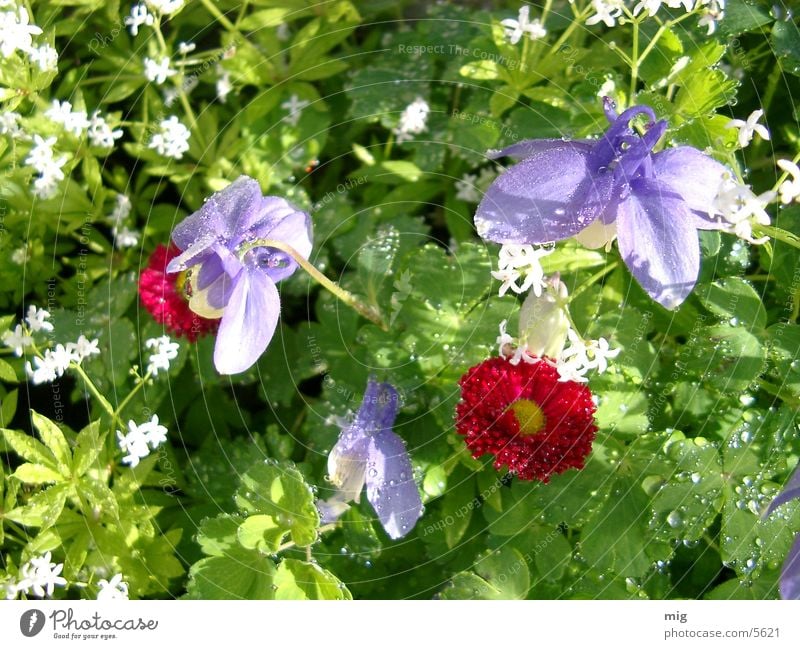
130 396
368 311
95 392
221 17
777 233
634 62
291 544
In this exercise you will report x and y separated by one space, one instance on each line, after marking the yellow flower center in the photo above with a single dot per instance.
529 415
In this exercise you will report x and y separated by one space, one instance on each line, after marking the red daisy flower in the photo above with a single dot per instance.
531 422
163 295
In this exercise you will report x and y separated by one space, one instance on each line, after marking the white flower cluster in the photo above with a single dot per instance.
472 187
172 139
124 237
55 361
544 328
16 35
114 588
413 120
224 85
140 440
40 576
158 71
572 363
516 29
740 208
165 351
521 262
140 13
49 167
608 11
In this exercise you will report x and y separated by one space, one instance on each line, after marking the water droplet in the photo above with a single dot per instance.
674 519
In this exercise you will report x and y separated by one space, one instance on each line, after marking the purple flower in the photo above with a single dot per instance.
239 288
790 573
368 451
652 202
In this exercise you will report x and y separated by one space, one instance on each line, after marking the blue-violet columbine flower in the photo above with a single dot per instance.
369 451
239 288
790 573
614 186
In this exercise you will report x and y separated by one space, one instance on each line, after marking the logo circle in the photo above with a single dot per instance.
31 622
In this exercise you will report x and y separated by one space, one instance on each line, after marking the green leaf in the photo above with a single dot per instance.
499 574
280 492
29 448
734 300
216 536
616 538
786 45
7 372
730 358
36 474
784 341
261 532
483 70
100 497
53 439
239 574
457 506
42 509
302 580
88 445
703 92
743 16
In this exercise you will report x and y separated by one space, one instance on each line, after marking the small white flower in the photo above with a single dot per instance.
185 48
45 56
125 237
20 256
515 29
606 11
44 372
714 12
9 124
122 208
165 351
466 189
413 120
158 71
41 575
789 189
83 349
16 32
172 140
740 209
295 106
599 353
139 16
140 440
748 128
100 133
224 85
282 32
37 319
17 340
165 7
113 589
73 121
521 262
42 160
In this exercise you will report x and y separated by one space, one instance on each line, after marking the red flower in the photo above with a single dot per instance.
531 422
163 295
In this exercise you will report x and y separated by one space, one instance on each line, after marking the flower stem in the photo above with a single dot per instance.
369 312
320 530
130 396
96 393
779 234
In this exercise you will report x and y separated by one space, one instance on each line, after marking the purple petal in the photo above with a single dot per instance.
790 573
378 408
196 252
390 484
658 241
790 491
232 210
695 176
294 229
210 270
535 201
527 148
248 322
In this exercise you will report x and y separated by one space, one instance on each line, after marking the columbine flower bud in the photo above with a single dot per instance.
543 322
